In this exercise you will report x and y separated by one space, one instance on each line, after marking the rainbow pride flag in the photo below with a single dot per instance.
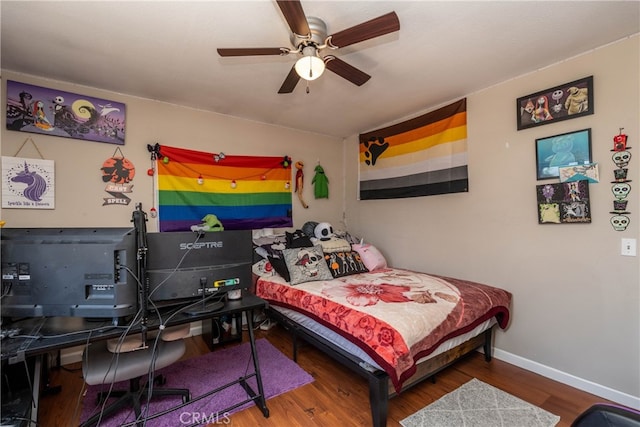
423 156
244 192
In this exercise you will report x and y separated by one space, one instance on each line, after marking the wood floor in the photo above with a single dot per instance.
339 397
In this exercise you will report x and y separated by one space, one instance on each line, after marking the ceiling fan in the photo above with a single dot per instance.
309 36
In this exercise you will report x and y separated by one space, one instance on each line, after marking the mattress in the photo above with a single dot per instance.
366 361
394 317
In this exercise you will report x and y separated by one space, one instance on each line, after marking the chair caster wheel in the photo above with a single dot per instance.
160 380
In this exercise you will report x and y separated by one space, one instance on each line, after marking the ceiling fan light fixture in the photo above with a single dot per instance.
310 66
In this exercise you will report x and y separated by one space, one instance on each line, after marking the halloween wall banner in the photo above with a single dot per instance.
621 185
28 183
243 192
48 111
118 172
424 156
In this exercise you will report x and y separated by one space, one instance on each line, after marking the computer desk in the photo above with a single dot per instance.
42 335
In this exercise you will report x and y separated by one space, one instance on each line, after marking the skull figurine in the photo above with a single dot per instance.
621 158
620 222
621 190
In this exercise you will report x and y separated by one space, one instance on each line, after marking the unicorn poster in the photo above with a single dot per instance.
28 183
54 112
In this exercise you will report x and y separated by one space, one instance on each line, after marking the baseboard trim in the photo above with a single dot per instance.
571 380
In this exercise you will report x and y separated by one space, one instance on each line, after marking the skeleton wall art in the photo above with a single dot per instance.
54 112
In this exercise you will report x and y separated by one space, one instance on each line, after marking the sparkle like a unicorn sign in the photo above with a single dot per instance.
28 183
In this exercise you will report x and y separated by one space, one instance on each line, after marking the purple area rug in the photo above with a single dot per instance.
204 373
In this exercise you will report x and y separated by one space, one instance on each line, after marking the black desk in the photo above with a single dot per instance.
42 335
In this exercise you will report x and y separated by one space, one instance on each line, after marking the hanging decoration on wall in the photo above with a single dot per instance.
243 192
117 172
424 156
54 112
155 151
563 203
300 182
620 185
28 183
320 183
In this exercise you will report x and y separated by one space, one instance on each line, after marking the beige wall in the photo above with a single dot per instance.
79 186
576 303
576 309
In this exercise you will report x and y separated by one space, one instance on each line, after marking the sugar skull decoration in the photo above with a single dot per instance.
621 190
621 187
620 222
621 158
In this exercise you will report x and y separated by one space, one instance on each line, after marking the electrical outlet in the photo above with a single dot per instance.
628 247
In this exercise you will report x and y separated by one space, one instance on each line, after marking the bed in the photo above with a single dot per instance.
392 326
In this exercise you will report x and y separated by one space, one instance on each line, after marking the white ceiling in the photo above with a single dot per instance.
166 50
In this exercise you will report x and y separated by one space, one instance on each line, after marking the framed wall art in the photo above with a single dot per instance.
567 101
566 149
564 203
47 111
28 183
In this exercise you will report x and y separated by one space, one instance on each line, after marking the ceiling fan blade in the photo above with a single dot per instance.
251 51
346 71
290 82
294 14
376 27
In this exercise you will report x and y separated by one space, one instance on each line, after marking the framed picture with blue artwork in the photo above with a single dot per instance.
565 149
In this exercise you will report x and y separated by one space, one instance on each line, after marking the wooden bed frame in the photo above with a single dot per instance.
380 386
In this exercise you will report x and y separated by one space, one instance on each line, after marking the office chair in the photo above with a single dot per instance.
607 415
101 365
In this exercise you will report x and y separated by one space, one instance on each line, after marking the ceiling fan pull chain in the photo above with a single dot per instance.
307 86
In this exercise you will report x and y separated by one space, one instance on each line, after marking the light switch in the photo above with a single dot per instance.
628 247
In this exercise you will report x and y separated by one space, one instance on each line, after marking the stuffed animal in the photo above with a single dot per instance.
323 231
321 184
210 222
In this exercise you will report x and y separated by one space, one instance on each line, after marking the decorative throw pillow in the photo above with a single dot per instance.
274 249
298 239
335 245
280 267
371 256
306 265
344 263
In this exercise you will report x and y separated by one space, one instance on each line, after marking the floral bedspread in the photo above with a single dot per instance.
396 316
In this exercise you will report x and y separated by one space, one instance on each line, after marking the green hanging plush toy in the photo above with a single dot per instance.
320 183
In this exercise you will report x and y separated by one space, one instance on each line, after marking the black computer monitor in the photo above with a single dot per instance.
79 272
184 266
